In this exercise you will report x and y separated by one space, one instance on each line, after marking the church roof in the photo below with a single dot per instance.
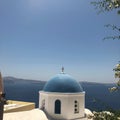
62 83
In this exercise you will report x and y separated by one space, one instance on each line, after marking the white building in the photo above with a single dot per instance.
63 98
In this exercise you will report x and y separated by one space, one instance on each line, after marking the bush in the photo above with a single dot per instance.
105 115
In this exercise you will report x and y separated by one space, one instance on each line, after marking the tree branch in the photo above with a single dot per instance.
107 5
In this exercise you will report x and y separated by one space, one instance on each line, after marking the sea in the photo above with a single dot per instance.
97 95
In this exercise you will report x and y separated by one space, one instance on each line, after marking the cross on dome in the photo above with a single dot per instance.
62 69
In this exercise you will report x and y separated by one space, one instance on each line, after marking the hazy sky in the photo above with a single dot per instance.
38 37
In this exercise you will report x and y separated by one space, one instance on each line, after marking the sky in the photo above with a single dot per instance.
38 37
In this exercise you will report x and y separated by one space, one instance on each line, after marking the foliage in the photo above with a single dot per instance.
117 75
113 27
107 5
106 115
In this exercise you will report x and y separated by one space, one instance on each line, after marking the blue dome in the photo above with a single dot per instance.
62 83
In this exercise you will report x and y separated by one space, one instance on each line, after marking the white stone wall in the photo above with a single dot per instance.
67 104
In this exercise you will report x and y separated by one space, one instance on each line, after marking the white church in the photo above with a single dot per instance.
62 98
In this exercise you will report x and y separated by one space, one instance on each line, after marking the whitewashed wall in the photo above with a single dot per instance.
67 104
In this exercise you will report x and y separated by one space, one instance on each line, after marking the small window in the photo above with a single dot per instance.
75 101
76 106
57 107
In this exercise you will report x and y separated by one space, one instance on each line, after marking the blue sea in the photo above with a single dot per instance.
98 97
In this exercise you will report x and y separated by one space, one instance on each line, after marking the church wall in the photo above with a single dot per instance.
43 99
67 104
51 107
71 110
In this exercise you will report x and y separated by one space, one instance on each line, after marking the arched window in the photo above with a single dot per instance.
57 107
76 106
